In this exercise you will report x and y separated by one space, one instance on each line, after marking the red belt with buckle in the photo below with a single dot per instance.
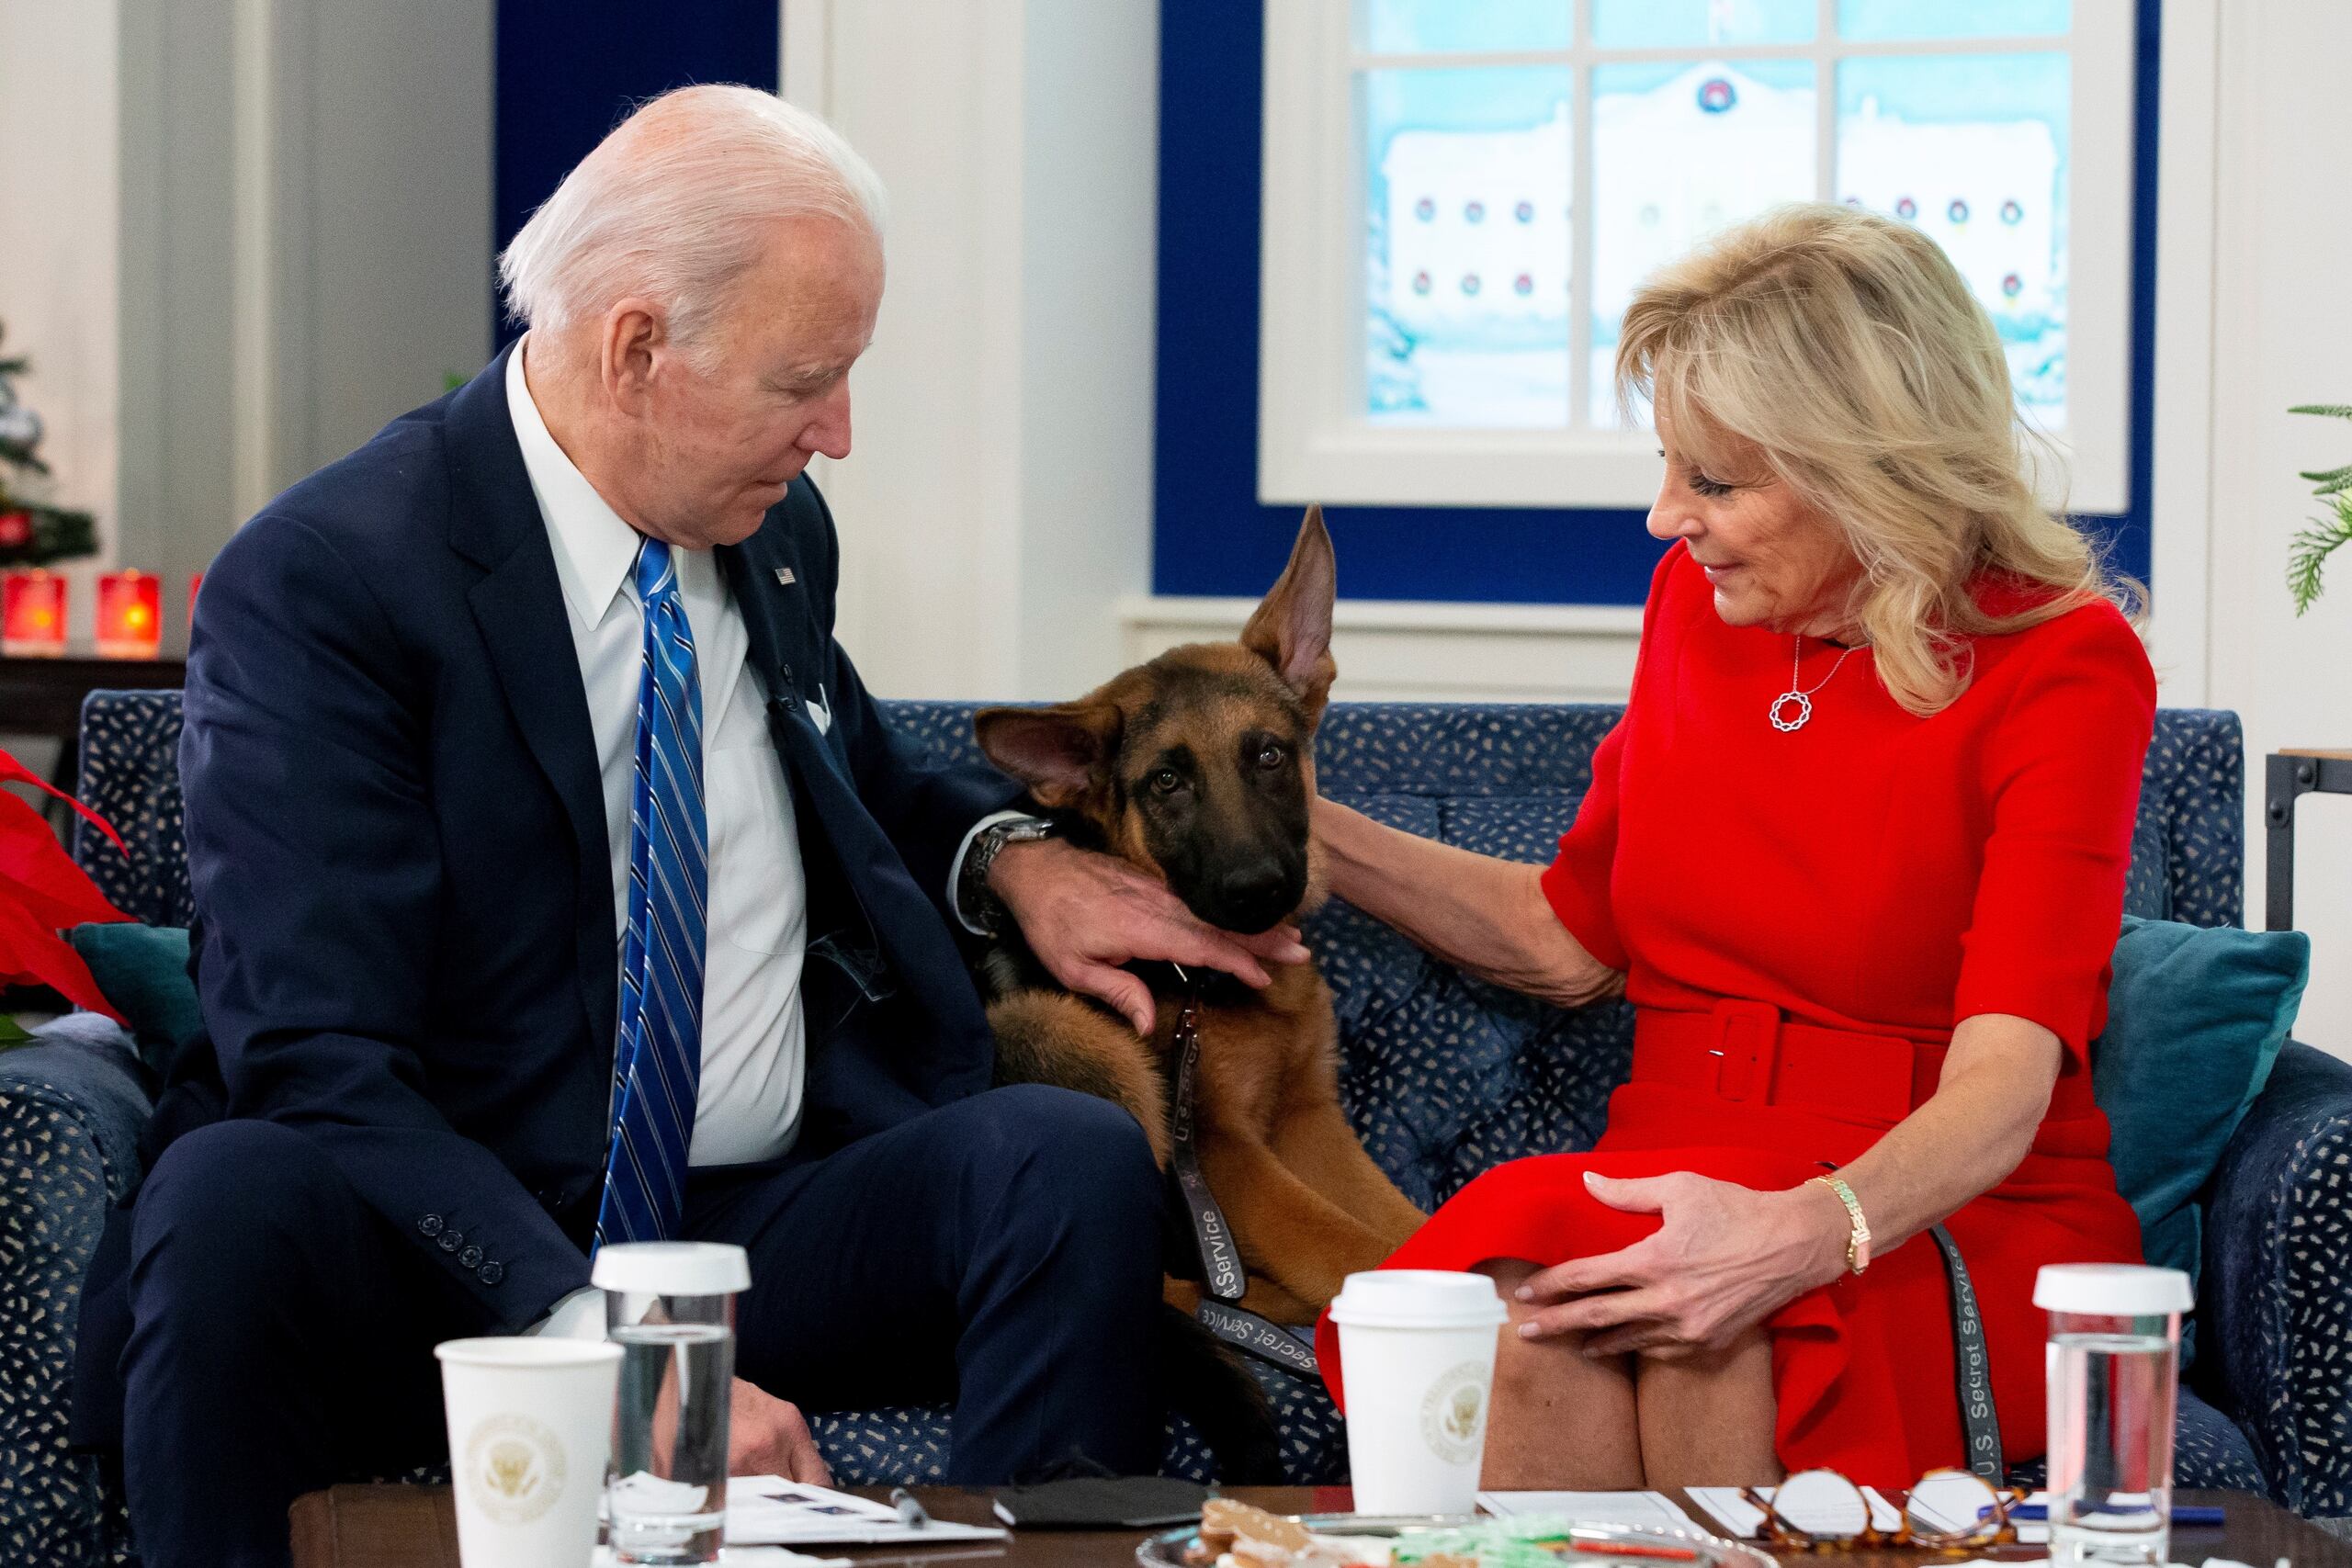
1746 1053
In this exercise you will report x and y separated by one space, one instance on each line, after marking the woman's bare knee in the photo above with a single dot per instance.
1709 1419
1558 1419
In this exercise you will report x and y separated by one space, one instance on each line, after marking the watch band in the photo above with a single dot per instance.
973 896
1857 1242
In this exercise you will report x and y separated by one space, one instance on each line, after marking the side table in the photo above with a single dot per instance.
43 696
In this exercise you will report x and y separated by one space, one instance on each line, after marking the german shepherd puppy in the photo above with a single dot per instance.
1198 768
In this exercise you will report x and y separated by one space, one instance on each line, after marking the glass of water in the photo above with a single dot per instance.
670 1307
2114 1377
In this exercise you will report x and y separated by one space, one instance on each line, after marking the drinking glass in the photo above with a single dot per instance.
2114 1377
670 1307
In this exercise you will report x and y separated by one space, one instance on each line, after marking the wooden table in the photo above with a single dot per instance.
43 697
416 1526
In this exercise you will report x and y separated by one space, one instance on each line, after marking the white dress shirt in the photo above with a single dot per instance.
753 1052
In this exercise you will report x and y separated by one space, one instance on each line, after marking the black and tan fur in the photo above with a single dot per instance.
1198 768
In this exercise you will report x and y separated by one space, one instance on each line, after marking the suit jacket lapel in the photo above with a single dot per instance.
518 605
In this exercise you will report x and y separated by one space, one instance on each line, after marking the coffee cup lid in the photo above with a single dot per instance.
672 1268
2112 1290
1418 1298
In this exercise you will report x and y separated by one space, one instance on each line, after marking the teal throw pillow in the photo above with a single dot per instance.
2195 1018
143 972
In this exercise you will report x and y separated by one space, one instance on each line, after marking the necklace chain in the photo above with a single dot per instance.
1795 694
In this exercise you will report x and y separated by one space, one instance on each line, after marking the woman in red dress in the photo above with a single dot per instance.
1856 853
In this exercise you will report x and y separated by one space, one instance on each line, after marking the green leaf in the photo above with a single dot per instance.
11 1032
2330 480
2307 553
2332 411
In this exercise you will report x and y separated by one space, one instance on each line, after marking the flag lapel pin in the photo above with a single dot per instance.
784 576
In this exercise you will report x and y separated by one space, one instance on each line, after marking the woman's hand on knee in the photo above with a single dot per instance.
1723 1258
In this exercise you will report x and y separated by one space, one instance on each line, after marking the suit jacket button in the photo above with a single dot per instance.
491 1273
468 1258
452 1240
430 1224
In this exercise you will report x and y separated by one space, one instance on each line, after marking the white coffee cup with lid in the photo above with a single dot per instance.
1418 1350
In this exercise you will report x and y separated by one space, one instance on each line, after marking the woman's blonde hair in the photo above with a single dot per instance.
1844 348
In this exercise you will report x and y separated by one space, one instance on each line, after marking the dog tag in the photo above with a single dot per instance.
1220 1260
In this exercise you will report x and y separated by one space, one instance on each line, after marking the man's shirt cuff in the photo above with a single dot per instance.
955 870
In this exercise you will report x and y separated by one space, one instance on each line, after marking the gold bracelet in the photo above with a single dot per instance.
1858 1243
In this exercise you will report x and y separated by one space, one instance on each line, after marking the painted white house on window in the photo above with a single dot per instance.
1441 314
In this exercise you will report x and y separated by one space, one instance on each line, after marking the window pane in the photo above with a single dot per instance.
1680 151
1702 24
1415 27
1952 19
1466 246
1972 149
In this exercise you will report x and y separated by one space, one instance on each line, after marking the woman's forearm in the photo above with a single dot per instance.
1486 916
1969 1136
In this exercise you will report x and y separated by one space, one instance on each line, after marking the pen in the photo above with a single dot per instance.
911 1513
2038 1513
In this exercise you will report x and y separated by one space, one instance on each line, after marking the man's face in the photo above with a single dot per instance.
723 445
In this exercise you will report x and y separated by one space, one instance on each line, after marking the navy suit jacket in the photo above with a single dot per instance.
396 836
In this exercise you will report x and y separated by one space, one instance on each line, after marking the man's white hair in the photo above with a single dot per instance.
673 207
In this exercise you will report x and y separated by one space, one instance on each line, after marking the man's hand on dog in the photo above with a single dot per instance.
1085 914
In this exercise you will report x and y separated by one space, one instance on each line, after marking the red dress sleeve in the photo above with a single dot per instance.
2062 772
1578 882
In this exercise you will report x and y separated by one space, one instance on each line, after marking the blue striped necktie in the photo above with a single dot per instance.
658 1064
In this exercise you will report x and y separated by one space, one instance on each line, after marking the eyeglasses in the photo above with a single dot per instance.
1947 1510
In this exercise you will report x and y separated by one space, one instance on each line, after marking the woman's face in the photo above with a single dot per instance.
1772 559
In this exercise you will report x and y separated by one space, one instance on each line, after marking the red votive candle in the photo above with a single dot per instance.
130 614
33 621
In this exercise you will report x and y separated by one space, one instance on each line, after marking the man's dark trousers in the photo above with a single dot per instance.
992 1252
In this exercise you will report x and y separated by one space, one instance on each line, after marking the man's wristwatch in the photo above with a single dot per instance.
974 898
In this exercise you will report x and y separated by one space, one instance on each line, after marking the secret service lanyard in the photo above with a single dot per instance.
1221 1270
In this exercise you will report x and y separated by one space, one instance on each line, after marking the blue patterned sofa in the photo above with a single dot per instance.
1444 1077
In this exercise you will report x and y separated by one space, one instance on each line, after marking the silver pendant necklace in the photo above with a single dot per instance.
1784 721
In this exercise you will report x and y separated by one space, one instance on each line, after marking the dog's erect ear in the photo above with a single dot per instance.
1058 751
1292 628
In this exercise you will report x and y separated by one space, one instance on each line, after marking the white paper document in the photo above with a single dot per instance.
767 1510
1741 1518
1592 1507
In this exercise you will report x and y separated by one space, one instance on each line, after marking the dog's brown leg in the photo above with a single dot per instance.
1291 1235
1051 1037
1315 1142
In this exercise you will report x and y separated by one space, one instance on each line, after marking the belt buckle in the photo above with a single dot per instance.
1748 1043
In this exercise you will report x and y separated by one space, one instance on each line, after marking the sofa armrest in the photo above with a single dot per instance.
2276 1320
72 1106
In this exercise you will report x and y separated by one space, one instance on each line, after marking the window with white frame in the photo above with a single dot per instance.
1461 194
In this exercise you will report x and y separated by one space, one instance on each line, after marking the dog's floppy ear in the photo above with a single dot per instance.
1056 751
1292 628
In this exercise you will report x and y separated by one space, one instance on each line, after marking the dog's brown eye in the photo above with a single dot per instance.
1271 755
1167 781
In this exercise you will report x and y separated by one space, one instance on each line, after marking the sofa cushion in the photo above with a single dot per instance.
143 972
2196 1016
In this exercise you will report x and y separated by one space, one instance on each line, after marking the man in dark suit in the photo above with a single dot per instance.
524 775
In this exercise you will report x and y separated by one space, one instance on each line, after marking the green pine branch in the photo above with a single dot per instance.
2330 480
2331 410
2307 553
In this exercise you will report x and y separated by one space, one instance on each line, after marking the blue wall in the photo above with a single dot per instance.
1209 534
568 71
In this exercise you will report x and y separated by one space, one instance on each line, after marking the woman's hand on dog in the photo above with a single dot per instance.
1085 914
1723 1258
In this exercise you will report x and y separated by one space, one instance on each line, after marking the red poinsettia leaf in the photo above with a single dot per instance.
38 878
33 954
13 771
